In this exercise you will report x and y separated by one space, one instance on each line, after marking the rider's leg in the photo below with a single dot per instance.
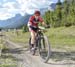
33 38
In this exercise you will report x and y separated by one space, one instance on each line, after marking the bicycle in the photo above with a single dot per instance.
42 44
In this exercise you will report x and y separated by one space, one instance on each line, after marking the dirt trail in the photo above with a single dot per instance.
25 59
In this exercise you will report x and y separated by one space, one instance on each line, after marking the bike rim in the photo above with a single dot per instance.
44 49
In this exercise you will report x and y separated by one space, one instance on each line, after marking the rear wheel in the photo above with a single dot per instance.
44 48
30 43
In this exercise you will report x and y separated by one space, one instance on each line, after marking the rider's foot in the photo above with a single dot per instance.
33 50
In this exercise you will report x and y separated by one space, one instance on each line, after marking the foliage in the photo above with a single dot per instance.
63 15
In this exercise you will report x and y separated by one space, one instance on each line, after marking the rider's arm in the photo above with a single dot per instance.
43 23
30 20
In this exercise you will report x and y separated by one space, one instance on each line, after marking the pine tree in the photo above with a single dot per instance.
64 15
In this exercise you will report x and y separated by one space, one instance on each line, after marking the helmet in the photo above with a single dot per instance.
37 12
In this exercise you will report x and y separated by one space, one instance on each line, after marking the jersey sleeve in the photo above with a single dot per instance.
31 19
40 19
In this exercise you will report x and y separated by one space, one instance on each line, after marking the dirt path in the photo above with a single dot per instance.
25 59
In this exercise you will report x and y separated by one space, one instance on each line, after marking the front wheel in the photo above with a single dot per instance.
44 48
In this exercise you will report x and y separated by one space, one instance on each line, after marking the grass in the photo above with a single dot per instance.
62 37
20 38
8 62
4 65
2 46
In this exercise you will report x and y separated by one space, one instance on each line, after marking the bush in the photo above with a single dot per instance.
68 24
25 29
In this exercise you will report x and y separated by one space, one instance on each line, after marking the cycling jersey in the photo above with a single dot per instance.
34 22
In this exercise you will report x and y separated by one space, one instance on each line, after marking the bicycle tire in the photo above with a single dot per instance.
44 39
29 43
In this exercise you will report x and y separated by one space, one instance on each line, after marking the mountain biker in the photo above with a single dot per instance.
33 26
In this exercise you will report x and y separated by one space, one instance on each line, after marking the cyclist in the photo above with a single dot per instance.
33 26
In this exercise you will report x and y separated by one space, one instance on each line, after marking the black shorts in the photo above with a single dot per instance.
34 29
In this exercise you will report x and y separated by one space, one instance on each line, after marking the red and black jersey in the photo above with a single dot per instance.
34 22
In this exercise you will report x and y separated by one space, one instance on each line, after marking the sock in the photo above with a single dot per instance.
32 45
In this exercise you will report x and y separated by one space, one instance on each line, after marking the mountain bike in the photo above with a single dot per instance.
42 45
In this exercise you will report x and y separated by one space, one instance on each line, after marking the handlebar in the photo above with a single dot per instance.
42 29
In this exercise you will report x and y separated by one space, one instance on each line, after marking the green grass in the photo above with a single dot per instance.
7 61
8 65
62 37
1 45
20 38
4 65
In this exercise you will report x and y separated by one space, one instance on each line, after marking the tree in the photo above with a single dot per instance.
64 15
